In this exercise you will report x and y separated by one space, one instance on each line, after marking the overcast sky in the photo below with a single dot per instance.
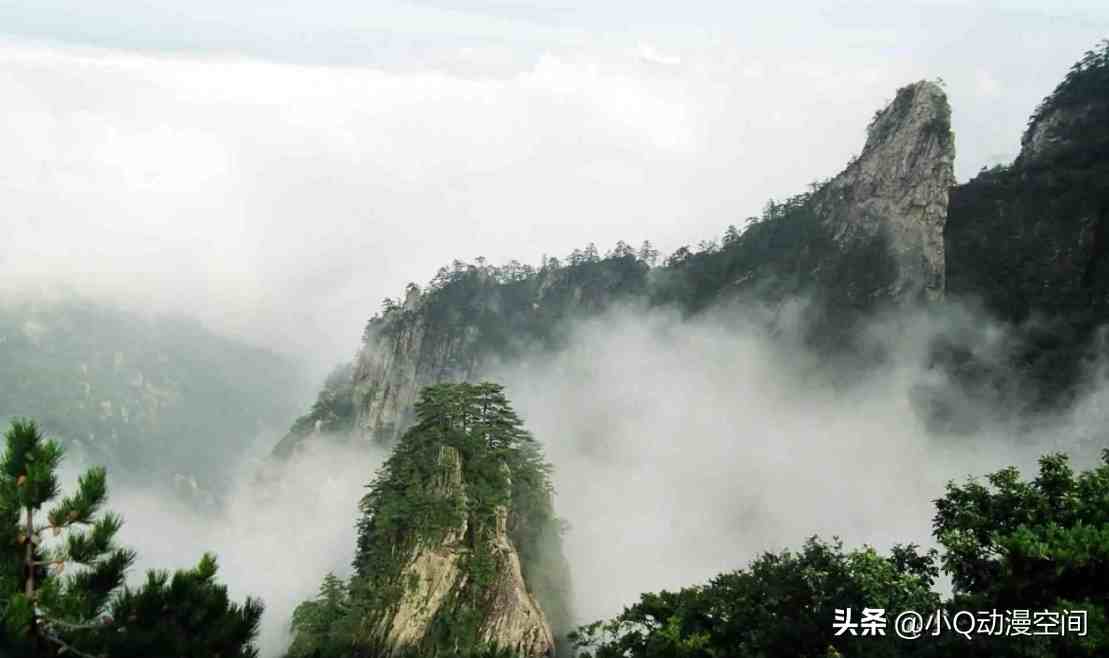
277 171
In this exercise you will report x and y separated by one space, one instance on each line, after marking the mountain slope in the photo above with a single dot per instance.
1030 240
152 397
870 237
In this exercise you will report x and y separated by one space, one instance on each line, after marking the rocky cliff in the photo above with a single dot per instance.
872 235
449 553
459 550
896 192
1027 241
437 573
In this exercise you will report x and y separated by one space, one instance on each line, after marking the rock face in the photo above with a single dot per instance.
399 359
452 330
436 573
897 192
873 235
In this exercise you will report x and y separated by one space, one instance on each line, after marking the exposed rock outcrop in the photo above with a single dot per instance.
897 190
872 235
397 360
449 333
436 574
459 549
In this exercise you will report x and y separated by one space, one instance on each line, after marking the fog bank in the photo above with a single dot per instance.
684 449
282 527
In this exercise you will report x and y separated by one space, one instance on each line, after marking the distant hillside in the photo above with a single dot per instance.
149 397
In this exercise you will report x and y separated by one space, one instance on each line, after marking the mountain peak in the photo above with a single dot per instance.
1075 111
896 191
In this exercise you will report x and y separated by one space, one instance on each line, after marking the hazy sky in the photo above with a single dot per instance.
277 171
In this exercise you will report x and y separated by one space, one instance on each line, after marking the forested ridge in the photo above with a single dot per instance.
1021 242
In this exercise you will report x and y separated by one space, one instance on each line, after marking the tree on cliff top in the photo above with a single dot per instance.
88 612
413 501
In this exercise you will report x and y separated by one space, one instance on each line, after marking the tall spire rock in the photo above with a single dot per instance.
871 236
897 191
459 548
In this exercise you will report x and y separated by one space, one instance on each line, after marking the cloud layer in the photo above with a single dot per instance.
684 449
681 449
279 198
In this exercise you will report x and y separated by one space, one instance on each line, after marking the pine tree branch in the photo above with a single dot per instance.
70 626
66 647
43 563
62 526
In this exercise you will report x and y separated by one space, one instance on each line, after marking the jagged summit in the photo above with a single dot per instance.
896 191
458 545
872 235
506 613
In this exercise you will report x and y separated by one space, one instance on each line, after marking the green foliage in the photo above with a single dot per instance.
506 303
467 462
1040 544
1087 78
332 412
61 583
782 605
1009 544
188 615
148 397
1030 240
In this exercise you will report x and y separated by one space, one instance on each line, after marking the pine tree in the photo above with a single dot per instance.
62 574
731 236
648 254
42 606
188 615
318 625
